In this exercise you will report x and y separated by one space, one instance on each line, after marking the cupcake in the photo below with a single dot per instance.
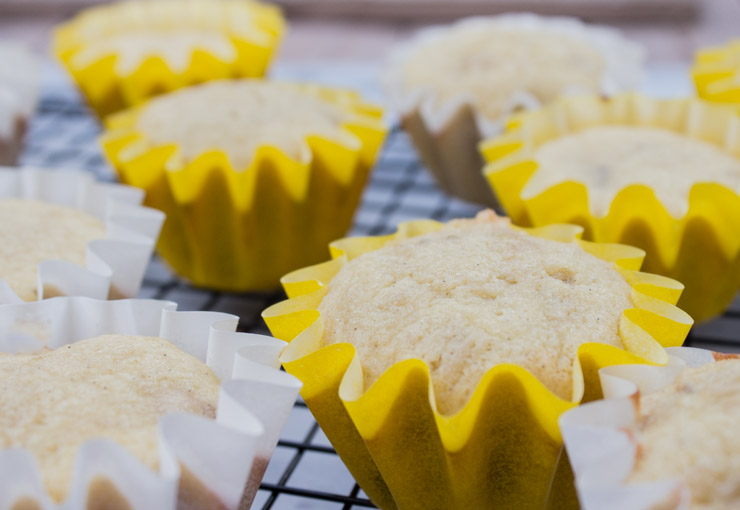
716 73
19 77
255 177
662 175
62 233
122 54
438 359
668 435
455 86
130 404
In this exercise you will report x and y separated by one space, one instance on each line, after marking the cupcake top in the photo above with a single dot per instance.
688 431
491 64
112 386
239 116
609 158
32 231
472 295
172 30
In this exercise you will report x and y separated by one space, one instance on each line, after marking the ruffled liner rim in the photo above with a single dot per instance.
716 73
358 138
624 67
115 265
254 402
653 323
603 446
70 39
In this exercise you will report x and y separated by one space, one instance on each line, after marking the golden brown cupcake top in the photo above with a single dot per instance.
32 231
239 116
112 386
609 158
475 294
490 64
688 431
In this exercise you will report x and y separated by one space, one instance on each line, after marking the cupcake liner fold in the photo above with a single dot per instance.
19 86
603 447
502 449
242 229
716 73
701 249
114 265
203 463
446 134
226 39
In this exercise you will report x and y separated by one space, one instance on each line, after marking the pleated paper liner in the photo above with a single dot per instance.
701 250
203 463
242 229
225 39
115 265
716 73
19 83
502 449
446 135
603 446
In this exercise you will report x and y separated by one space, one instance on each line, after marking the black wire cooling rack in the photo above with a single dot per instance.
304 473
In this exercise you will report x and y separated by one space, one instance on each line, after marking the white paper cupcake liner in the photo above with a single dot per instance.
20 71
447 135
602 444
114 265
222 454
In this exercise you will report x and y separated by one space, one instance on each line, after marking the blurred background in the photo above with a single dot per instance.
366 29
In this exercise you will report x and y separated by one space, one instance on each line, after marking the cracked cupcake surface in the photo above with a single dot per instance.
32 231
237 117
688 431
607 159
491 64
472 295
112 386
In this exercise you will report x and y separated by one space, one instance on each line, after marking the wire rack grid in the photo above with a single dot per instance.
305 473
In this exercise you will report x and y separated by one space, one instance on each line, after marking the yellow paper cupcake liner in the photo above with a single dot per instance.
240 230
502 449
252 32
701 250
716 73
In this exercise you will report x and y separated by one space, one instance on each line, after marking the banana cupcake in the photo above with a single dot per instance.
61 233
668 435
662 175
126 52
19 78
716 73
472 337
255 177
455 86
186 412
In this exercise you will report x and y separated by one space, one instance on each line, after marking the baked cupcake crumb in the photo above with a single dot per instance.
688 431
607 159
475 294
112 386
237 117
32 231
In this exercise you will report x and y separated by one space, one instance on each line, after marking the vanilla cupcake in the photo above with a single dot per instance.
716 73
126 52
255 177
663 175
455 86
668 434
157 409
19 79
473 336
62 233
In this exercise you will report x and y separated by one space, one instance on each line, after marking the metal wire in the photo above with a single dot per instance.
64 135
